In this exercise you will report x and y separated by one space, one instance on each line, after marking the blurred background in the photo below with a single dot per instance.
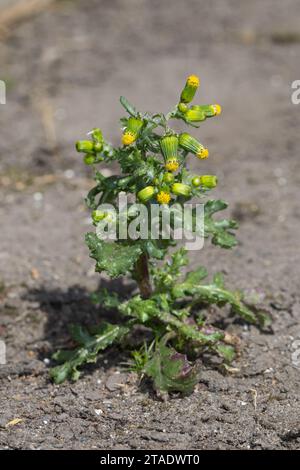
65 63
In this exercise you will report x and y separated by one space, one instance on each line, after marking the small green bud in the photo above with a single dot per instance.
98 146
97 216
209 181
145 194
168 178
182 107
200 112
195 115
89 159
97 135
196 182
84 146
181 189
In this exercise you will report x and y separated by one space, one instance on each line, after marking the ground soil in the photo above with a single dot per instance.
65 69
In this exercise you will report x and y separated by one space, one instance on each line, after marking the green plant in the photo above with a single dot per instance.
172 307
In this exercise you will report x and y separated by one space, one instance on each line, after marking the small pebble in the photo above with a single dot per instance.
69 174
38 197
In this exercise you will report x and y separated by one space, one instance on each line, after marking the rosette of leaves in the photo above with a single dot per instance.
171 306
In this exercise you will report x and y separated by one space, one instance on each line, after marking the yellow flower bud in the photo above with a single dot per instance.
163 197
193 80
190 89
132 130
192 145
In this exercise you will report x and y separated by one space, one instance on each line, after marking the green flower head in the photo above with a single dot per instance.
189 143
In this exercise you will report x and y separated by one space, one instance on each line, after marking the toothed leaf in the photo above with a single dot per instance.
220 230
90 346
114 258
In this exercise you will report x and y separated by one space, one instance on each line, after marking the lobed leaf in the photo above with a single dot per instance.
220 230
115 258
89 347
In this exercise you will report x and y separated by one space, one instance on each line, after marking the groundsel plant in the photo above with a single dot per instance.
169 307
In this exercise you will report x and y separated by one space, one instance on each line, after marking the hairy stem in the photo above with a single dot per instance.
143 276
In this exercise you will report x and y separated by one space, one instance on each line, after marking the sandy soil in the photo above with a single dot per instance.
64 70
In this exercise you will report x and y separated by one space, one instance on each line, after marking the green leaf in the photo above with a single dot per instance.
107 299
171 371
165 276
194 277
90 345
80 334
90 199
97 135
142 309
225 351
128 107
153 249
215 294
264 317
115 258
219 280
219 229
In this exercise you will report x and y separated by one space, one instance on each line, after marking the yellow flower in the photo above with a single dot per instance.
132 130
128 138
217 109
172 164
163 197
203 153
193 80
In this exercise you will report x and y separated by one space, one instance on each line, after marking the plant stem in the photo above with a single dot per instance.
143 276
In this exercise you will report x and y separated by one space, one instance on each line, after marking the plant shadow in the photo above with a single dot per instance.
75 306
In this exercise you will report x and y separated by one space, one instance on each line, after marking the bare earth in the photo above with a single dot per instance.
64 70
